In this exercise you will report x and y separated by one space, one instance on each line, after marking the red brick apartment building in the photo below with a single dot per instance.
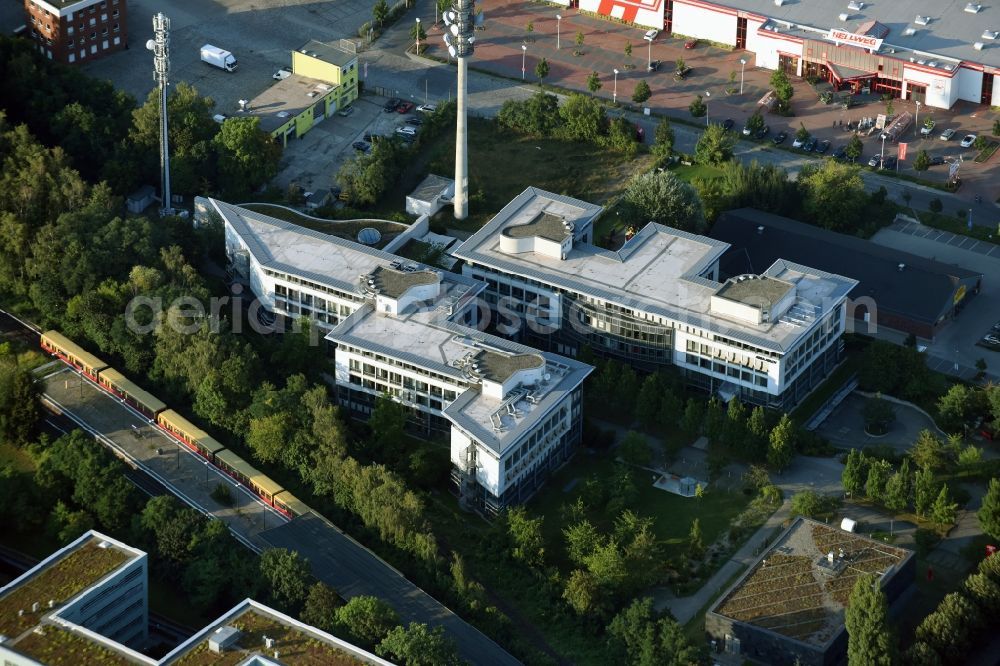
73 31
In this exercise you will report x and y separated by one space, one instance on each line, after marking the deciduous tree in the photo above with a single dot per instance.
715 145
417 645
662 197
781 449
868 639
367 620
641 92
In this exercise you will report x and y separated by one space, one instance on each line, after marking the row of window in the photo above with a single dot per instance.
315 286
381 387
716 352
402 381
399 364
731 371
93 50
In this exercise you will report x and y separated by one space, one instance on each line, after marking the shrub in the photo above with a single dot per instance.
222 494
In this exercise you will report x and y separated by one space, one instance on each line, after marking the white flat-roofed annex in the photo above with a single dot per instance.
424 337
660 271
289 248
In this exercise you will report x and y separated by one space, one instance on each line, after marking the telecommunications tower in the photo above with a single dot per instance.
160 46
461 21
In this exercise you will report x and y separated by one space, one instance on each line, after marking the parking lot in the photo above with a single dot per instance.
958 342
260 35
312 162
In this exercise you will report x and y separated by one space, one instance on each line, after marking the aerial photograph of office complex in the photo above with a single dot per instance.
438 332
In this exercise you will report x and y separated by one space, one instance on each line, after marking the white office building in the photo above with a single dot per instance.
512 414
768 338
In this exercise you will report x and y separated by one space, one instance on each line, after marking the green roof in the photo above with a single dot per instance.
60 581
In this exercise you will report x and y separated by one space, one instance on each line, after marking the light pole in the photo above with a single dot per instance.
916 123
418 35
558 31
524 52
707 95
881 158
614 95
743 62
649 51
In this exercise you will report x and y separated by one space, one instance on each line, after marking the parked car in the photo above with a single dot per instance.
875 159
406 131
651 35
947 134
798 143
426 108
404 107
653 65
413 120
937 160
927 128
727 124
780 137
968 140
762 132
993 340
809 145
839 153
747 131
346 111
361 146
391 105
823 146
691 43
281 74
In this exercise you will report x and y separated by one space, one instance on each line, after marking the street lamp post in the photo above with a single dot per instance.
881 158
524 52
614 94
707 95
743 62
418 35
916 123
558 31
649 52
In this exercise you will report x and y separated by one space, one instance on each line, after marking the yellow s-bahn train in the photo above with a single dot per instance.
172 423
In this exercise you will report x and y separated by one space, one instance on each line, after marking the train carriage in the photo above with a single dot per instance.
190 434
56 343
124 388
289 505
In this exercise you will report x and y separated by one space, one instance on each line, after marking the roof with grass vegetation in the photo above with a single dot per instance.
801 585
295 643
58 581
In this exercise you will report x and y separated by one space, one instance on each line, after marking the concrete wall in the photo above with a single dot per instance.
645 13
415 230
709 22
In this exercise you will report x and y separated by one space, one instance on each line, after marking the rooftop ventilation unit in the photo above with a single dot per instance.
978 46
973 7
855 5
909 32
844 16
932 63
778 3
922 20
760 229
900 267
989 34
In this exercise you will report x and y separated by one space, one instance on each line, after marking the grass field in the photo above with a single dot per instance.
673 514
502 165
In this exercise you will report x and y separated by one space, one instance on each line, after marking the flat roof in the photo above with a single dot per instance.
423 336
295 642
660 271
331 53
543 225
290 248
951 31
921 291
431 187
394 282
755 291
59 578
794 590
286 99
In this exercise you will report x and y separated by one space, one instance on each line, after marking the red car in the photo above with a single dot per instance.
691 43
405 107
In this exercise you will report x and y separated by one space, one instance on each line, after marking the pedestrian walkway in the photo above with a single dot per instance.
685 608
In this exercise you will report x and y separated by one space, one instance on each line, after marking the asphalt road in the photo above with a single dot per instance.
343 564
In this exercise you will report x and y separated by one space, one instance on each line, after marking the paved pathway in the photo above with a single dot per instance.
685 608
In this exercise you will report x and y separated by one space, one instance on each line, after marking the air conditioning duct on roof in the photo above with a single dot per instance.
844 17
855 5
989 34
978 46
909 32
922 20
778 3
973 7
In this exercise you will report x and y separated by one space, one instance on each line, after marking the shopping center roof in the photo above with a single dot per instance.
950 30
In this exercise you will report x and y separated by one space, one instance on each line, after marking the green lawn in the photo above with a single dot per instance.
340 228
673 514
689 173
502 165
